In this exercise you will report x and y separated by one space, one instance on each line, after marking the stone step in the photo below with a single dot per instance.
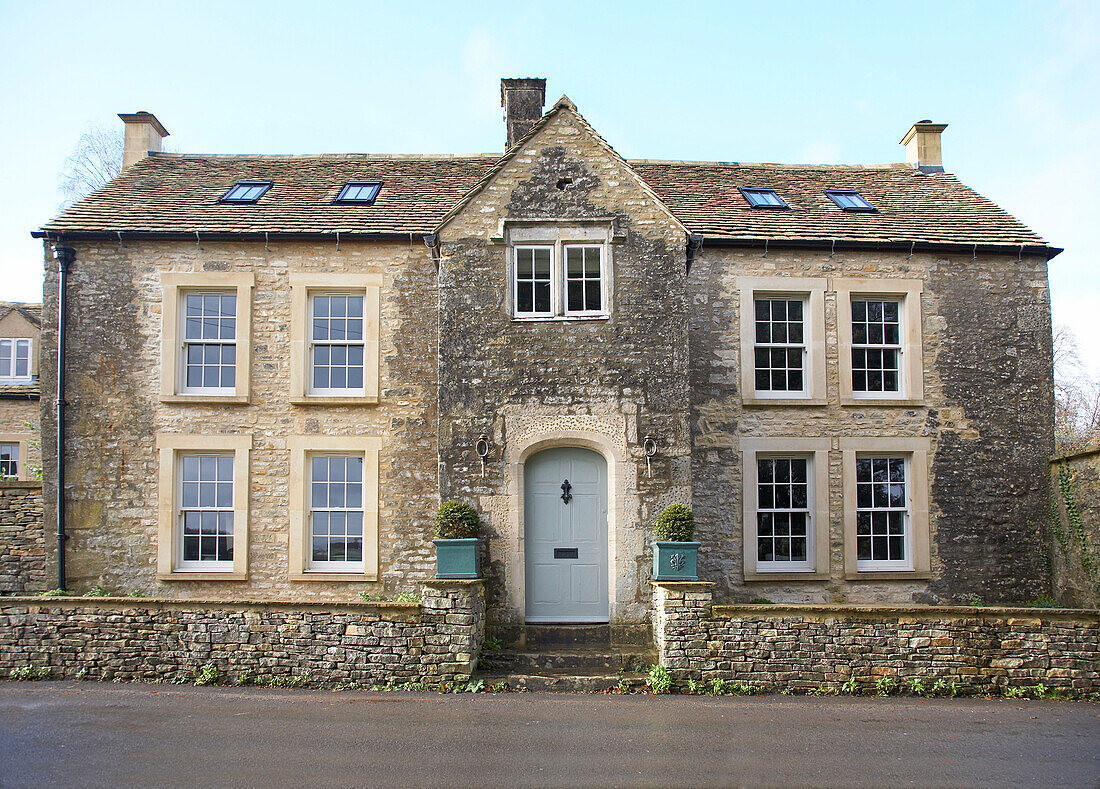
574 682
538 636
559 659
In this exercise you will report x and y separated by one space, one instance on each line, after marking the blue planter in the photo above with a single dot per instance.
675 561
456 558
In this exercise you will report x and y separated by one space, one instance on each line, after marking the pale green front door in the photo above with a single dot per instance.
565 539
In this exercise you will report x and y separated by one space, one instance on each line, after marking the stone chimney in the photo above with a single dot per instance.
143 134
522 100
922 146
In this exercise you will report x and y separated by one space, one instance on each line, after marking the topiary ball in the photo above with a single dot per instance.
675 524
456 520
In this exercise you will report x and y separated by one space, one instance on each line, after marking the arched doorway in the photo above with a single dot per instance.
565 536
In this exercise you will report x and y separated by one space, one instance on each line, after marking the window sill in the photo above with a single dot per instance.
783 401
888 575
187 575
351 575
880 402
808 575
551 318
334 400
203 398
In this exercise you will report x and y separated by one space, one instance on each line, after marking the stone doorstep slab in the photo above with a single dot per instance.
564 683
565 660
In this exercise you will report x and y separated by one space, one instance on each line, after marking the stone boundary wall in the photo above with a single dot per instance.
1075 527
803 647
129 638
22 541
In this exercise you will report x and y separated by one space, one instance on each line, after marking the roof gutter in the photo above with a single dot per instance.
198 236
909 247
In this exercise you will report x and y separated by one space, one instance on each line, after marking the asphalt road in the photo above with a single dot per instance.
74 734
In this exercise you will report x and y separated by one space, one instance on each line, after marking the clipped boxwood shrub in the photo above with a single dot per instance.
456 520
675 524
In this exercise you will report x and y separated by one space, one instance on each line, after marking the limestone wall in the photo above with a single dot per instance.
1075 528
115 412
22 541
804 647
987 411
161 639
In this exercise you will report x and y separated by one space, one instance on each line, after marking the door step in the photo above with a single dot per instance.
602 636
563 659
567 682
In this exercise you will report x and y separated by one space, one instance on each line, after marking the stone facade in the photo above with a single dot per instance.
22 542
1075 528
115 412
990 433
435 641
804 647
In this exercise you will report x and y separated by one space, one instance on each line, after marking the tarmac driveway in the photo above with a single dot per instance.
76 734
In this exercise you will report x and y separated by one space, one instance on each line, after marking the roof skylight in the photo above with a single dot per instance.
849 200
361 192
763 198
246 192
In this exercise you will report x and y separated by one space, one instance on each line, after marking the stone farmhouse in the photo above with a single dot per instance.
20 325
277 367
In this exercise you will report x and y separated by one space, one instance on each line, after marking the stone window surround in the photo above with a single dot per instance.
301 447
917 451
559 234
908 291
818 450
169 447
22 440
301 285
813 290
174 284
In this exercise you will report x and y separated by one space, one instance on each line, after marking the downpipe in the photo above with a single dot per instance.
64 257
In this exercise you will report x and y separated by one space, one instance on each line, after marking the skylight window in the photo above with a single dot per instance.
849 200
361 192
246 192
763 198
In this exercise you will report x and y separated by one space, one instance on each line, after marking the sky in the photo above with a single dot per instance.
820 82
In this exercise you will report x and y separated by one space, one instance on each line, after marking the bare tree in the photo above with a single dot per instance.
96 159
1076 395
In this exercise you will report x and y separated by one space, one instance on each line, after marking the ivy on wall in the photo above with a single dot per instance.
1076 538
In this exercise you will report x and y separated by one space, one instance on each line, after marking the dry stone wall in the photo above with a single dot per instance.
22 541
987 410
164 640
805 647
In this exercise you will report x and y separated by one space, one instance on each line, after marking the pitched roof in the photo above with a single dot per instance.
178 194
31 391
32 311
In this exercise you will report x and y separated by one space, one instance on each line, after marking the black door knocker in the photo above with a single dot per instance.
565 494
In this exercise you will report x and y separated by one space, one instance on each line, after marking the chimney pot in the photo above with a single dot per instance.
143 134
922 146
522 100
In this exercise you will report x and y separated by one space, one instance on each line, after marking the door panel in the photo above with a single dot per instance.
573 586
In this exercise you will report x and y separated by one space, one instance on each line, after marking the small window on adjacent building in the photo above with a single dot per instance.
533 281
883 538
876 346
15 360
206 512
246 192
780 348
359 192
583 280
784 512
210 342
763 198
337 343
9 461
336 513
849 200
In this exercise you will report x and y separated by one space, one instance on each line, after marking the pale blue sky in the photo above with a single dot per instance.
781 82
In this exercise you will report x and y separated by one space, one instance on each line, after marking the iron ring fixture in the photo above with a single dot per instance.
481 447
649 446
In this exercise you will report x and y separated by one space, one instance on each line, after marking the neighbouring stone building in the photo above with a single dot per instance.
278 366
20 325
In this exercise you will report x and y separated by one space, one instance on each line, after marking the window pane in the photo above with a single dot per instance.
576 295
542 297
592 295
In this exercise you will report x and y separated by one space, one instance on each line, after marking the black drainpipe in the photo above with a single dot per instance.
64 257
